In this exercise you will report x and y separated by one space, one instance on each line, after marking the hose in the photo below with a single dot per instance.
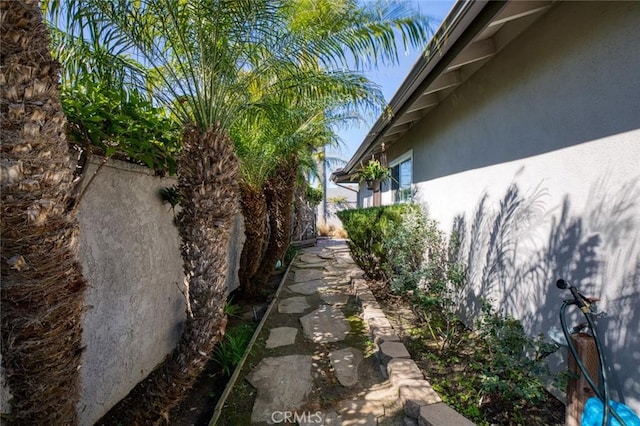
604 397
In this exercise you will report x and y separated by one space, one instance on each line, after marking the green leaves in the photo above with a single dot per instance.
119 122
514 368
373 170
313 195
368 230
230 351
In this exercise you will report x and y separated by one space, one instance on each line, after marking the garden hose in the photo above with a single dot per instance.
603 397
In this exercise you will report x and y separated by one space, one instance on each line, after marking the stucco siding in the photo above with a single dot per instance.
536 158
130 254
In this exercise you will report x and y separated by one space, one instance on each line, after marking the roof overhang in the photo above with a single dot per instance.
471 34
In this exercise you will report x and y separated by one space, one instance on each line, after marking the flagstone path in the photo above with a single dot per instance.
330 356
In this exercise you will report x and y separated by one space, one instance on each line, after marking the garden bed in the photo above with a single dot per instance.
455 373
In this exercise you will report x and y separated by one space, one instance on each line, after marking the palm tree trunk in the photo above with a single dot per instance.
42 285
279 194
299 210
254 209
208 183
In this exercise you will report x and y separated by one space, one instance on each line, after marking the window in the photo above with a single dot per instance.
402 178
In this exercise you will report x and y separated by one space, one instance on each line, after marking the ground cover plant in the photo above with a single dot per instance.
492 372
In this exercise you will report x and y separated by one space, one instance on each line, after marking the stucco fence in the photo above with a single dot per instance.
130 253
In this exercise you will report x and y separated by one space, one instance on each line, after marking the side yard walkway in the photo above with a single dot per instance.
329 356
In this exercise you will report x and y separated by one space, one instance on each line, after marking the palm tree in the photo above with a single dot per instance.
286 121
207 55
335 34
42 284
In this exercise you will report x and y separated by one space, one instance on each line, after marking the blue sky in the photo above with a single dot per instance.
390 78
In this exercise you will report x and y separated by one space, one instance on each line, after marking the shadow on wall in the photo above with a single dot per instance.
516 251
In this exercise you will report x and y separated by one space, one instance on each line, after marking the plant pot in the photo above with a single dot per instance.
373 185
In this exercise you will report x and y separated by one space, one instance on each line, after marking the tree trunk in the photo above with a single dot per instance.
208 183
279 194
42 285
254 209
300 206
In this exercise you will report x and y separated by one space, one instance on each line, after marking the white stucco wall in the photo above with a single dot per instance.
130 254
129 249
537 155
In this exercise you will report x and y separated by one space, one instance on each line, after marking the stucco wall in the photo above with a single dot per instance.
130 253
536 159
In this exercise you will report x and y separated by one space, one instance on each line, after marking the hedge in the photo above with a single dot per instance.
368 228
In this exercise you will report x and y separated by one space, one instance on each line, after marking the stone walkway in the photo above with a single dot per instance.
331 357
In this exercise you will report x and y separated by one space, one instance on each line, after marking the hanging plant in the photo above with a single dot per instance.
373 173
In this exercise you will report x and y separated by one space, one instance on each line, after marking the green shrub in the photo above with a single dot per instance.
368 231
406 247
516 361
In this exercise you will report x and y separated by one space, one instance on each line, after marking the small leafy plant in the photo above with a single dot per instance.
372 171
171 195
516 362
231 309
313 195
230 351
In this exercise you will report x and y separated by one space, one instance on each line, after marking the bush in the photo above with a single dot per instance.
368 230
516 361
407 251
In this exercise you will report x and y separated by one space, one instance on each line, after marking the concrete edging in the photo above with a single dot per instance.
420 402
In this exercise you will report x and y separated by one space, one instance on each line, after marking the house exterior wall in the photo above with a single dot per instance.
536 161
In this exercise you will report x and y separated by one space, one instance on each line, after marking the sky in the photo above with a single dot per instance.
389 79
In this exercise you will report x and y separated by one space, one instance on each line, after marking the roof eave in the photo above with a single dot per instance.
466 18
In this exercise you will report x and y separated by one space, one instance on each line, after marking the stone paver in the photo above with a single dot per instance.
311 258
326 324
324 280
326 256
281 336
282 384
308 275
333 295
312 266
293 305
345 363
399 369
416 393
391 350
309 287
441 414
